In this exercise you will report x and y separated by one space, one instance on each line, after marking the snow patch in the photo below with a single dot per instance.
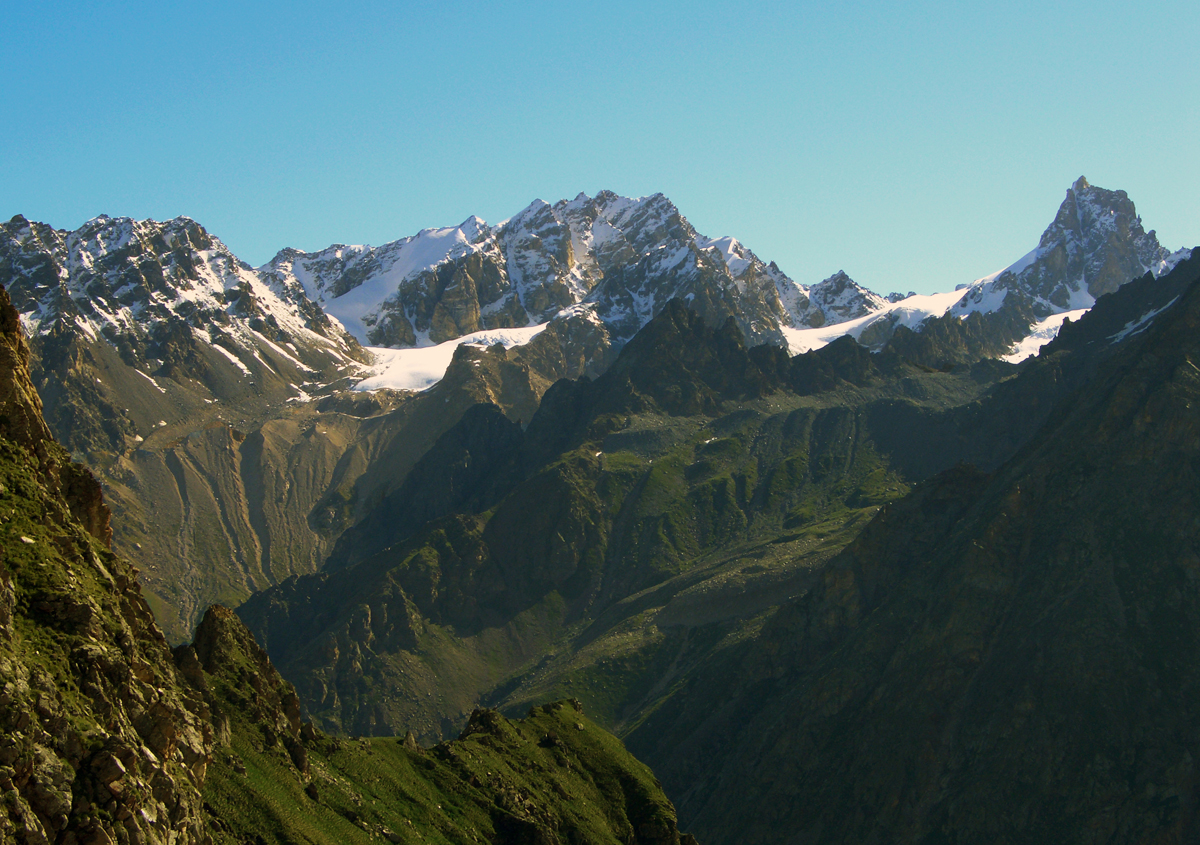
233 359
731 253
419 369
909 312
398 261
1041 334
1141 324
1014 268
149 379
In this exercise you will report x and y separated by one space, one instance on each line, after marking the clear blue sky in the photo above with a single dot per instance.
916 145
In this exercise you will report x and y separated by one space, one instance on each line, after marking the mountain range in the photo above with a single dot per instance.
838 566
216 401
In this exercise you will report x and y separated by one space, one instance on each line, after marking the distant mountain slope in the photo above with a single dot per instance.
1004 657
190 383
601 267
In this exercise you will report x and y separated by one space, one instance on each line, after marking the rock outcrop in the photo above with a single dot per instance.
100 743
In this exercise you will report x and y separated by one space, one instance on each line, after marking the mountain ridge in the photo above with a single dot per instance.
157 361
999 656
606 260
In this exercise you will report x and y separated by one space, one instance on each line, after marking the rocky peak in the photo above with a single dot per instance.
620 257
123 278
121 313
1094 245
835 300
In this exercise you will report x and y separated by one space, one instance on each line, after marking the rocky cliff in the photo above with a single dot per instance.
100 741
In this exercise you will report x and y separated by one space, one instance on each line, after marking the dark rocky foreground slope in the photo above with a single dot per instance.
100 741
107 736
999 657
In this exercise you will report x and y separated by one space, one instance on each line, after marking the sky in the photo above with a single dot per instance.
915 145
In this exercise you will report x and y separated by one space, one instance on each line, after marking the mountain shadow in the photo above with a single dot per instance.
1006 656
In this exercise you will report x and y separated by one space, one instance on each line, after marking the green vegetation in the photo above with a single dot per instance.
586 577
554 773
552 777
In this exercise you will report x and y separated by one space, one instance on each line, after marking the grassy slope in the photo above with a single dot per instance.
555 771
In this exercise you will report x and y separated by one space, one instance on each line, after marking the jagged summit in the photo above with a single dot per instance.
116 277
621 258
838 299
1094 245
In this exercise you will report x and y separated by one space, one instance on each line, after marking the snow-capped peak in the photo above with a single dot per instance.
121 278
444 283
1095 244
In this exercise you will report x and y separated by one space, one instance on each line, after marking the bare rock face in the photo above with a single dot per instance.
836 300
1097 238
99 742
